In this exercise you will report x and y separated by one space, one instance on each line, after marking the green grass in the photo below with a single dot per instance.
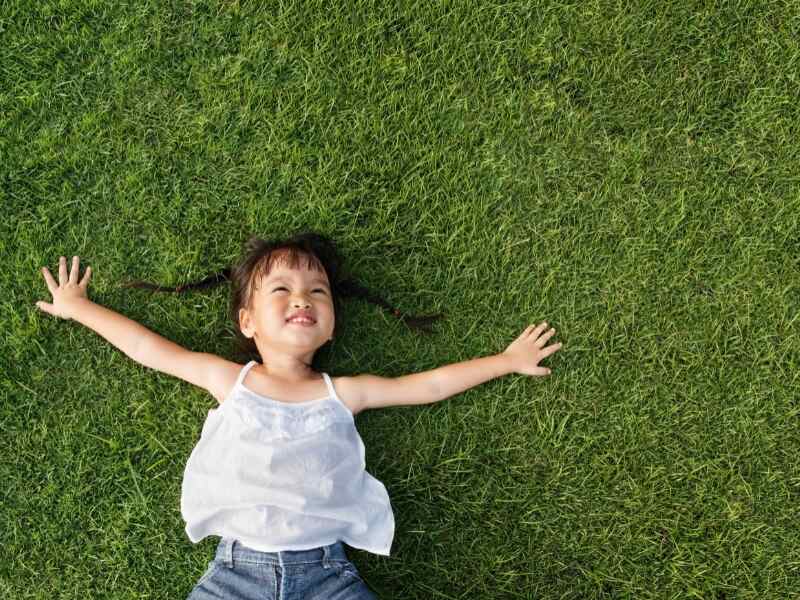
626 171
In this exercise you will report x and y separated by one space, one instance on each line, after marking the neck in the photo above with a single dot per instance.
288 368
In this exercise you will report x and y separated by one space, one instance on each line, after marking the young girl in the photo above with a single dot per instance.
279 473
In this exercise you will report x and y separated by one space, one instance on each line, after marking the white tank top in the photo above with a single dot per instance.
284 476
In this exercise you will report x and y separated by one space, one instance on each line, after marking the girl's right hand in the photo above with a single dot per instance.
68 292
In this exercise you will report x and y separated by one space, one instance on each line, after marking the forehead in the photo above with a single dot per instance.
281 270
285 265
295 275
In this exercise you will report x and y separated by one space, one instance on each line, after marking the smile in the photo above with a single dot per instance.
303 322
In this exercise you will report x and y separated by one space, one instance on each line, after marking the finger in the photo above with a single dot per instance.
48 278
45 307
535 328
86 275
62 270
73 274
545 336
549 350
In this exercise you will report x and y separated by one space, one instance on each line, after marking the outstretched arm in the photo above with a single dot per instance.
522 357
71 301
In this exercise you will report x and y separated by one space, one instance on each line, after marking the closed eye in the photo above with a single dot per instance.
283 288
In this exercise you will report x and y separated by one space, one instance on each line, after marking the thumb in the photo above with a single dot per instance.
44 306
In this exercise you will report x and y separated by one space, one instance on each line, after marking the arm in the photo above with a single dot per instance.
430 386
208 371
71 301
522 356
124 333
458 377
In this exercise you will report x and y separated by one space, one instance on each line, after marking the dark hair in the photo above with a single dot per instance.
320 253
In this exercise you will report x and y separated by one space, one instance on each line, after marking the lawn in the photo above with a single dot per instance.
626 171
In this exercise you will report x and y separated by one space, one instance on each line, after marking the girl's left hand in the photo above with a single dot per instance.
527 350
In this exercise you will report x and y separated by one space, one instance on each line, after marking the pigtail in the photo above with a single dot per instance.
255 261
211 281
350 288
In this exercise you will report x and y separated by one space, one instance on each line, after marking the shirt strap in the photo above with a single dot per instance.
244 371
328 382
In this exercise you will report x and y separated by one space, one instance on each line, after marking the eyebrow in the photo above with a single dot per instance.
287 280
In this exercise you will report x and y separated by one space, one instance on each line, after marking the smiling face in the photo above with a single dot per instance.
284 291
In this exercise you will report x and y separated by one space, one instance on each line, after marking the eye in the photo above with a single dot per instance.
283 288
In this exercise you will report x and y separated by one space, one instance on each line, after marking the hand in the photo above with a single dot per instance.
527 350
67 293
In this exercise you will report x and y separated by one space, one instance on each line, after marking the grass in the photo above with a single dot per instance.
627 172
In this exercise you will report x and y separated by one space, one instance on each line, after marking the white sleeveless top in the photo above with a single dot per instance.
284 476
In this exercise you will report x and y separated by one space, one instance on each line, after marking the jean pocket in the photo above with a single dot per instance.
212 568
348 569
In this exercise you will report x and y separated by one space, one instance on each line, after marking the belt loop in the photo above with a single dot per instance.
326 555
229 552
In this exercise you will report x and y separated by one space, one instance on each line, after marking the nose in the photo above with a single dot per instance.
301 302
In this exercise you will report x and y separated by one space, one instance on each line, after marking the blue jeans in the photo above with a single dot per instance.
241 573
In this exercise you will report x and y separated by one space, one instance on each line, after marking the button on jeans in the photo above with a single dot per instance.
241 573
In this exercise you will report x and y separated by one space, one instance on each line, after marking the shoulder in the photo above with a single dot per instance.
348 389
221 376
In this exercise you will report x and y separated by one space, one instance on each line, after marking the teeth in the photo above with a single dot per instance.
300 321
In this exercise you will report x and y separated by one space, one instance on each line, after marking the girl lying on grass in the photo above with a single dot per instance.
279 473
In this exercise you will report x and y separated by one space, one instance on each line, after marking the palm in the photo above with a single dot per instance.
68 291
528 350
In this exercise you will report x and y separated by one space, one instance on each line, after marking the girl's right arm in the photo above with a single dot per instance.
71 302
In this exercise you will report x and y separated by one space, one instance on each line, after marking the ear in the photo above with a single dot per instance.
244 323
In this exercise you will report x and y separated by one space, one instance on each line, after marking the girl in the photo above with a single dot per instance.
279 473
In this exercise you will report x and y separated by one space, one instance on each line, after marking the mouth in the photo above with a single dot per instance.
301 322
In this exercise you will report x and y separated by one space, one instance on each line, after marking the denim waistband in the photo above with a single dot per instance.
230 551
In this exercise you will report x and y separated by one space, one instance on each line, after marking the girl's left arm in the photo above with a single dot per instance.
522 356
428 387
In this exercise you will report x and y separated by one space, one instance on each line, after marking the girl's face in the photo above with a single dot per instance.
284 292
